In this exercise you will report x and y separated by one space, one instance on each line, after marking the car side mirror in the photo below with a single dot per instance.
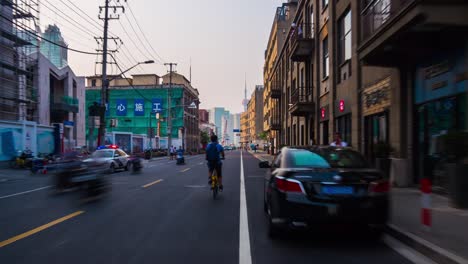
264 164
116 155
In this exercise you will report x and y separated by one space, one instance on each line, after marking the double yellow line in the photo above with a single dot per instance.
38 229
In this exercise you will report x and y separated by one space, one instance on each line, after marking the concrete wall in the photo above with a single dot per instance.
147 79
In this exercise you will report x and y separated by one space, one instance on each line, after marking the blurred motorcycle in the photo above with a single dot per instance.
90 176
136 164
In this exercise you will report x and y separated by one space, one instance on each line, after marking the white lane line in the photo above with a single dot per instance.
245 256
406 251
30 191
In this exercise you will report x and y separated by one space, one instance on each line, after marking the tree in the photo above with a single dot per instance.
263 135
204 138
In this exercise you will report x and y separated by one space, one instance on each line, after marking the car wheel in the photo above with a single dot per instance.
112 168
273 230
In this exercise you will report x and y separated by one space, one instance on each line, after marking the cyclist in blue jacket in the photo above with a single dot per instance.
214 155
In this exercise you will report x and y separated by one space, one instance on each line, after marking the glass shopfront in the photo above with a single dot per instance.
435 119
440 107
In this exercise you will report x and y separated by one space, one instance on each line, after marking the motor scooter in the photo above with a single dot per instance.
136 163
180 157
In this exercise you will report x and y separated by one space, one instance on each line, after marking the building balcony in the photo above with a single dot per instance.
275 124
64 104
301 102
302 42
275 91
391 28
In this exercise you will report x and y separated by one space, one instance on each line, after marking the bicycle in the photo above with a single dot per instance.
214 183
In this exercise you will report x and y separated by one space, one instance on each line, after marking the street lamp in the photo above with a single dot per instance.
104 100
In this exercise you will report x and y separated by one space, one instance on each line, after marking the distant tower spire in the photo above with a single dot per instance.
245 102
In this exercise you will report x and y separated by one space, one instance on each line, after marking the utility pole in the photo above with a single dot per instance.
105 81
169 116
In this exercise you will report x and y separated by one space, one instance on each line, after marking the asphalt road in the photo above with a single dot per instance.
164 215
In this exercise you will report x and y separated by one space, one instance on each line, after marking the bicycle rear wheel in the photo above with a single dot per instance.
215 192
214 184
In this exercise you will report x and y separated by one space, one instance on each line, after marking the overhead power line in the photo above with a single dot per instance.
67 18
144 35
133 42
90 18
42 38
138 35
92 23
129 83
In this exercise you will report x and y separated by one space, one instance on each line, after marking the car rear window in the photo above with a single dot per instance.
345 159
304 158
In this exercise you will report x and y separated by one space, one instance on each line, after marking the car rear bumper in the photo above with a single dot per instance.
310 214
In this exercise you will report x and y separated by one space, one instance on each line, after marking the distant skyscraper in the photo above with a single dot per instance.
216 116
236 125
57 55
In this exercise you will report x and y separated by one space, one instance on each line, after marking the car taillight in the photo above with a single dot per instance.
379 187
286 185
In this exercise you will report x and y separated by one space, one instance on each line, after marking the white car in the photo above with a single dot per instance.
115 157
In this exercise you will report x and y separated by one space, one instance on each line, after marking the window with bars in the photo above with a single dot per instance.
325 58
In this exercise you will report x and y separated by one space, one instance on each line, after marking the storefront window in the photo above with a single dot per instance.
343 126
375 131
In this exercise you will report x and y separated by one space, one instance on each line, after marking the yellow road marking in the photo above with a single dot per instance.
185 170
38 229
152 183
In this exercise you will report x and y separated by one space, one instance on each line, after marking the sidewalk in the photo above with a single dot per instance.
448 237
262 155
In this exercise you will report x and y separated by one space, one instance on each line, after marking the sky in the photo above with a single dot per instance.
223 40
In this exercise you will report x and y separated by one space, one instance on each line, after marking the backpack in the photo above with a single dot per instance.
212 152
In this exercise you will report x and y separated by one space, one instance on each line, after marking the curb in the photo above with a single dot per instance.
434 252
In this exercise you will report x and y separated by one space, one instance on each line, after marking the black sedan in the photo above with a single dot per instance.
302 190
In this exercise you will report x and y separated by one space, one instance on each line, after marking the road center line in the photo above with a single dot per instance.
30 191
39 229
152 183
184 170
245 256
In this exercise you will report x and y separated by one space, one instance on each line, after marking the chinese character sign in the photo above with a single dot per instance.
121 107
156 105
139 107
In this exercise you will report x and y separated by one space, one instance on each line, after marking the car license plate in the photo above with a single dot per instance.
337 190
